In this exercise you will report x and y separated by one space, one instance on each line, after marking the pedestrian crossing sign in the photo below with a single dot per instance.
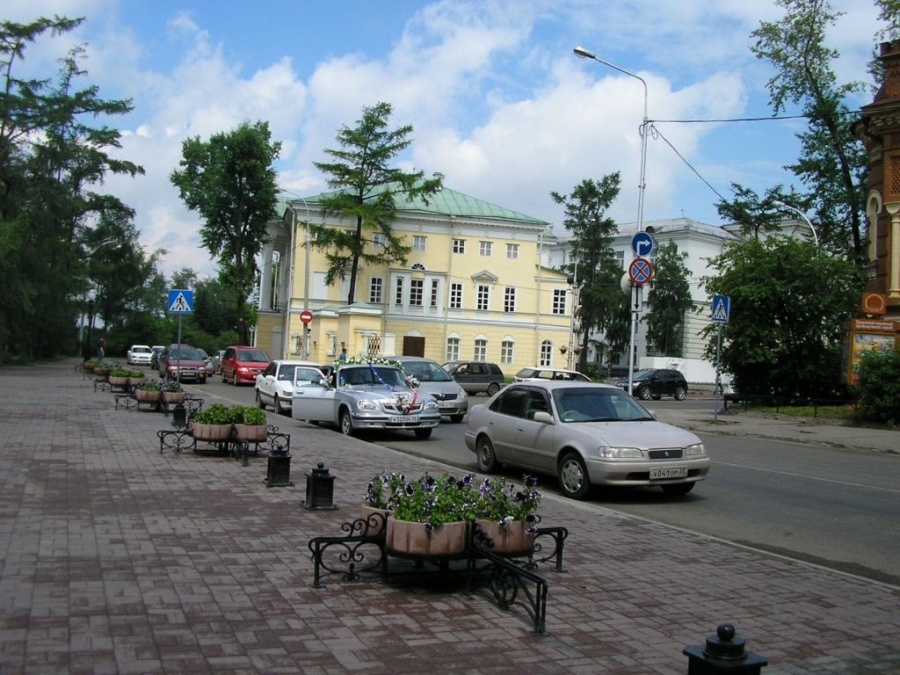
721 308
181 301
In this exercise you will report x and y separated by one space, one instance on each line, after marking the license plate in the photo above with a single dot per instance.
403 419
668 472
446 404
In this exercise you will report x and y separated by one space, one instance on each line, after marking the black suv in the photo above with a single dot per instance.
476 376
655 383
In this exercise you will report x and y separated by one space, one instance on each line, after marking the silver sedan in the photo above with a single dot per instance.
585 434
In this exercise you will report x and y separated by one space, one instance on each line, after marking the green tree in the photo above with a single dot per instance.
366 186
230 182
596 267
790 301
669 299
833 164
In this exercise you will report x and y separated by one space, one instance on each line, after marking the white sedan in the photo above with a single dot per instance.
275 385
585 434
139 355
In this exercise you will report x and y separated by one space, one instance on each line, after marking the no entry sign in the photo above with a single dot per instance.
306 316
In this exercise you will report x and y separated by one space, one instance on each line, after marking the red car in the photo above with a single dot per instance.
241 365
183 363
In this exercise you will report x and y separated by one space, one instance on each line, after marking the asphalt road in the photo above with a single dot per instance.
836 508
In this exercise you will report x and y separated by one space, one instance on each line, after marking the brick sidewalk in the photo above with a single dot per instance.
119 559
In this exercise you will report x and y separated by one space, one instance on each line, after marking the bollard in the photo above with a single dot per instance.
724 653
319 489
278 470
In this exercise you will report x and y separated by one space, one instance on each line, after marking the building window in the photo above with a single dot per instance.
376 290
416 286
453 349
418 242
509 300
435 288
559 302
512 251
456 296
485 248
398 292
507 351
620 256
459 245
484 297
480 353
546 353
379 240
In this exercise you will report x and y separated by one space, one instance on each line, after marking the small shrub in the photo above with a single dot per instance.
248 415
879 386
217 413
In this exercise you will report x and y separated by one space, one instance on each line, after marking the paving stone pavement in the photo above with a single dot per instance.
119 559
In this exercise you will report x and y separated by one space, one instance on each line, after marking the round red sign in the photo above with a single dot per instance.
306 316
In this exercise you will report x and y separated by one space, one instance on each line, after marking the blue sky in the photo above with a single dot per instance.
498 101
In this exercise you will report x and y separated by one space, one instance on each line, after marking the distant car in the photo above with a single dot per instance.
210 369
655 383
476 377
452 399
375 396
585 434
275 385
139 355
548 373
217 361
241 365
183 363
154 356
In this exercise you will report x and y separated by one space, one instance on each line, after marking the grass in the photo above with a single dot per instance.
827 412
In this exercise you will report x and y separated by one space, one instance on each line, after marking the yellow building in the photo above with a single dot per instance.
473 288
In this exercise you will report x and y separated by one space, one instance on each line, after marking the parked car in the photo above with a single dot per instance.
476 377
210 369
139 355
452 399
183 363
655 383
365 397
547 373
241 365
217 361
275 385
585 434
154 356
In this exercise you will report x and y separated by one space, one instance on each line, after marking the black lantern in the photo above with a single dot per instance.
278 470
319 488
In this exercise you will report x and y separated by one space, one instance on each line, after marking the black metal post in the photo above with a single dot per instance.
319 488
723 654
278 469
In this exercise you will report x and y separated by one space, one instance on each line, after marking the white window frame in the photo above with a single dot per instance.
452 351
483 298
416 292
485 248
459 246
509 299
376 290
546 358
507 351
512 251
456 295
480 351
560 302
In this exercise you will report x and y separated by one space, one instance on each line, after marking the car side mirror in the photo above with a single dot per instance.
542 416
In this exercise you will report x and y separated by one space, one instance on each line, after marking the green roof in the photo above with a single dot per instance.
449 202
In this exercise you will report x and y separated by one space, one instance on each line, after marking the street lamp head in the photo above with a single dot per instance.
583 53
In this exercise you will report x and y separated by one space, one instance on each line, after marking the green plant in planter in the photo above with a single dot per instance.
382 488
135 374
151 385
170 386
435 501
217 413
249 415
502 502
116 370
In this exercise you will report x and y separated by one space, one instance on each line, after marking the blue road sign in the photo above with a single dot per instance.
642 244
640 271
180 301
721 308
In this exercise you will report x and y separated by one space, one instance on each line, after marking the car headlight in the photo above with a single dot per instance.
366 404
696 450
607 452
430 405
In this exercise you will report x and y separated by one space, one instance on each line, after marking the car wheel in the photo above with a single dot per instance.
493 388
259 401
486 457
277 406
680 393
456 419
573 476
346 423
644 393
677 489
423 433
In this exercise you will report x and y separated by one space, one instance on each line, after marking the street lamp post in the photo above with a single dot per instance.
802 215
583 53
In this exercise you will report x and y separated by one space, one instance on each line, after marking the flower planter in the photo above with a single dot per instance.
172 396
251 432
376 525
511 538
148 396
412 539
117 381
135 381
210 432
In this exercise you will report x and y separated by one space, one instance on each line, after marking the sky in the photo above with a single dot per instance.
498 101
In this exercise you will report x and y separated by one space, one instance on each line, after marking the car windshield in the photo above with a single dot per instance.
425 371
598 405
252 355
641 375
185 354
140 350
372 375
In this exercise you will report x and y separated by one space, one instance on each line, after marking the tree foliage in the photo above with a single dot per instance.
879 386
790 301
669 300
229 180
833 163
366 186
595 268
